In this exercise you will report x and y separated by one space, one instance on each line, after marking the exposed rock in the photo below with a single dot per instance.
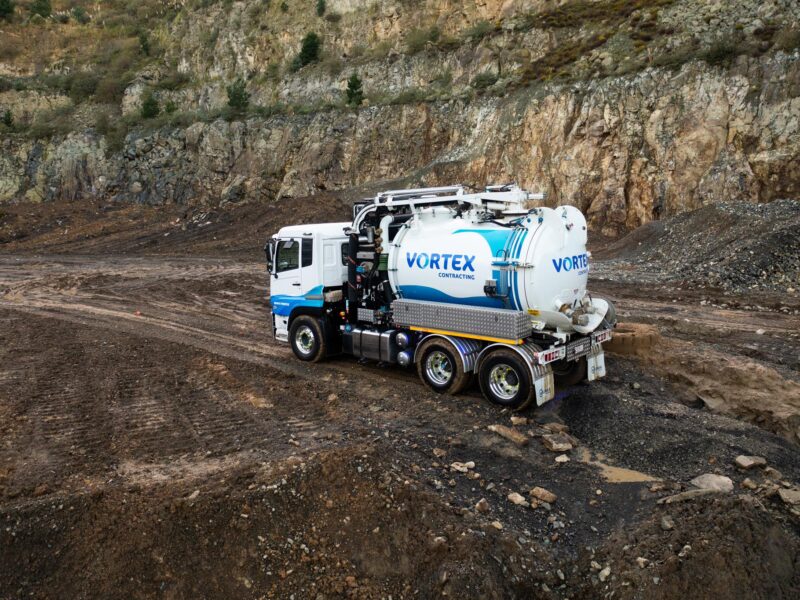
482 506
518 499
497 525
462 467
515 420
604 574
790 496
667 524
439 452
711 481
544 495
510 434
557 442
642 562
562 458
749 462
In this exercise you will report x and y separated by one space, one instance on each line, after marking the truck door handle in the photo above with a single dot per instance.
297 284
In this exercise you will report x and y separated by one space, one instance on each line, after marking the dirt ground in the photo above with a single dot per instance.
156 441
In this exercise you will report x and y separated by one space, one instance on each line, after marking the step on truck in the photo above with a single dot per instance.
459 285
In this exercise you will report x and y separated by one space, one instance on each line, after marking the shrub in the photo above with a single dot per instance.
309 51
6 9
43 8
238 97
82 86
144 43
721 53
150 108
484 80
320 8
111 89
173 81
7 118
170 107
417 39
80 15
479 31
333 17
355 92
284 6
788 39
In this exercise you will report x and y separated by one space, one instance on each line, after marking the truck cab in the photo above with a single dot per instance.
308 268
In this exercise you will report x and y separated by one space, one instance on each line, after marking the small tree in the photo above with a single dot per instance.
284 6
43 8
144 43
320 7
80 15
355 93
8 118
170 107
6 9
150 107
238 97
309 51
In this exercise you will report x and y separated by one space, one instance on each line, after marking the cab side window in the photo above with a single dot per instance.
307 252
288 256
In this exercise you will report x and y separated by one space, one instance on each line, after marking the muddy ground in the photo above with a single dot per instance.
156 441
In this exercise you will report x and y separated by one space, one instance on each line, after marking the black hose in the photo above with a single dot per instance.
352 289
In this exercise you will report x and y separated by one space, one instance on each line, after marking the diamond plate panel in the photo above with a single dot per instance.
475 320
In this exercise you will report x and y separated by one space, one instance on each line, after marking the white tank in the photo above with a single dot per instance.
539 263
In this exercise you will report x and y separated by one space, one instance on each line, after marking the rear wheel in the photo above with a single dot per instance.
569 373
506 380
440 366
307 338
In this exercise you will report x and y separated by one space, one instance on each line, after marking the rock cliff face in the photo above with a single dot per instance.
626 148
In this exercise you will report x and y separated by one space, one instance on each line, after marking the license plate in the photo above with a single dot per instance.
579 348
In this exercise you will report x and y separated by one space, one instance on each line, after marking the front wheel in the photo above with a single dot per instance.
506 380
307 338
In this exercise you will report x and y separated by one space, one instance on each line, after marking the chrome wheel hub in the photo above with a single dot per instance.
438 368
304 339
504 382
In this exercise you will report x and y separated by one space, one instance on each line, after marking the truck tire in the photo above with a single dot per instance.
505 379
569 373
440 367
307 338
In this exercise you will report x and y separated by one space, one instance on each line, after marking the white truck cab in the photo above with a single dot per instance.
305 263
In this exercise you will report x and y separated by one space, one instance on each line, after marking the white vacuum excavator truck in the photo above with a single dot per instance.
459 285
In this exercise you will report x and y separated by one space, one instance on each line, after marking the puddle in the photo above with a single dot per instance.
611 473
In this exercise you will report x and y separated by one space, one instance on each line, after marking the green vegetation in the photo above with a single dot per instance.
238 96
144 43
6 9
7 118
150 108
284 6
170 107
309 51
577 12
484 80
354 92
43 8
479 31
80 15
788 39
418 39
320 8
722 53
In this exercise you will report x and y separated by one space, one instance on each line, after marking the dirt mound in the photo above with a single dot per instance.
722 547
733 246
233 230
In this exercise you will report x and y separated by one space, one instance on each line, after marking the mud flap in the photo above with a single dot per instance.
543 383
595 363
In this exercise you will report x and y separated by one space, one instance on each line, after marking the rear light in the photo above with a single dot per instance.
602 336
548 356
